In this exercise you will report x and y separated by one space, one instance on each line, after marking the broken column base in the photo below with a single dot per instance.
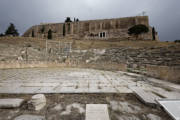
37 102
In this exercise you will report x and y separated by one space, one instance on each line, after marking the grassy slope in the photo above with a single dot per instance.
87 44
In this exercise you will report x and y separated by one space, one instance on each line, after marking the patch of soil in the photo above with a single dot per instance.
133 109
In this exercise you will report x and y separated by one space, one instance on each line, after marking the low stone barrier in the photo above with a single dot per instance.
31 64
67 63
162 72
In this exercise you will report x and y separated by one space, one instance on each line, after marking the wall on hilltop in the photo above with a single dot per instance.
92 29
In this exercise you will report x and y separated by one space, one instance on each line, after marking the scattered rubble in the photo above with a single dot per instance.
124 107
132 117
58 107
153 117
74 105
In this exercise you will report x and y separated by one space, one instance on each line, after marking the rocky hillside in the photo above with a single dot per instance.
15 48
159 59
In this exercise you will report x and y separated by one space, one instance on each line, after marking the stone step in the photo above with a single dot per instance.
30 117
97 112
147 98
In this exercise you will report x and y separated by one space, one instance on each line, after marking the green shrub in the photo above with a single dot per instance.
64 30
138 29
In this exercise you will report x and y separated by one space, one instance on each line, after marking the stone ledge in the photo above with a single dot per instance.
10 103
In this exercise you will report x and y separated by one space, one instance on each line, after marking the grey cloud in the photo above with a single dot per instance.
163 14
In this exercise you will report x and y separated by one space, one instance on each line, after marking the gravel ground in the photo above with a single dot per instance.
72 107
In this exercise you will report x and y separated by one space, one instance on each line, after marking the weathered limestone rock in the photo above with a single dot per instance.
20 58
58 107
87 61
74 105
37 102
153 117
10 103
30 117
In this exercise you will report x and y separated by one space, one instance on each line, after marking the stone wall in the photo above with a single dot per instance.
92 29
161 56
29 64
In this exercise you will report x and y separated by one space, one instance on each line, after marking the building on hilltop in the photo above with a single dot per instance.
92 29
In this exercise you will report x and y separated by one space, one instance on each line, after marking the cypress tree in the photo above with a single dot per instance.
42 29
64 30
50 34
33 33
153 33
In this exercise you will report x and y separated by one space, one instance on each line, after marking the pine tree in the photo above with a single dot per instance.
11 30
68 19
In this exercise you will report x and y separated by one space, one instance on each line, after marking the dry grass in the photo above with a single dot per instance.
88 44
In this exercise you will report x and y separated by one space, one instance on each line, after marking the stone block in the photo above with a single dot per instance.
146 97
97 112
10 103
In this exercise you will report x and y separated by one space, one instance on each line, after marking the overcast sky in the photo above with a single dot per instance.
163 14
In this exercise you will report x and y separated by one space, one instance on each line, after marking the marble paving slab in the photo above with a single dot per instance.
73 80
97 112
172 107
